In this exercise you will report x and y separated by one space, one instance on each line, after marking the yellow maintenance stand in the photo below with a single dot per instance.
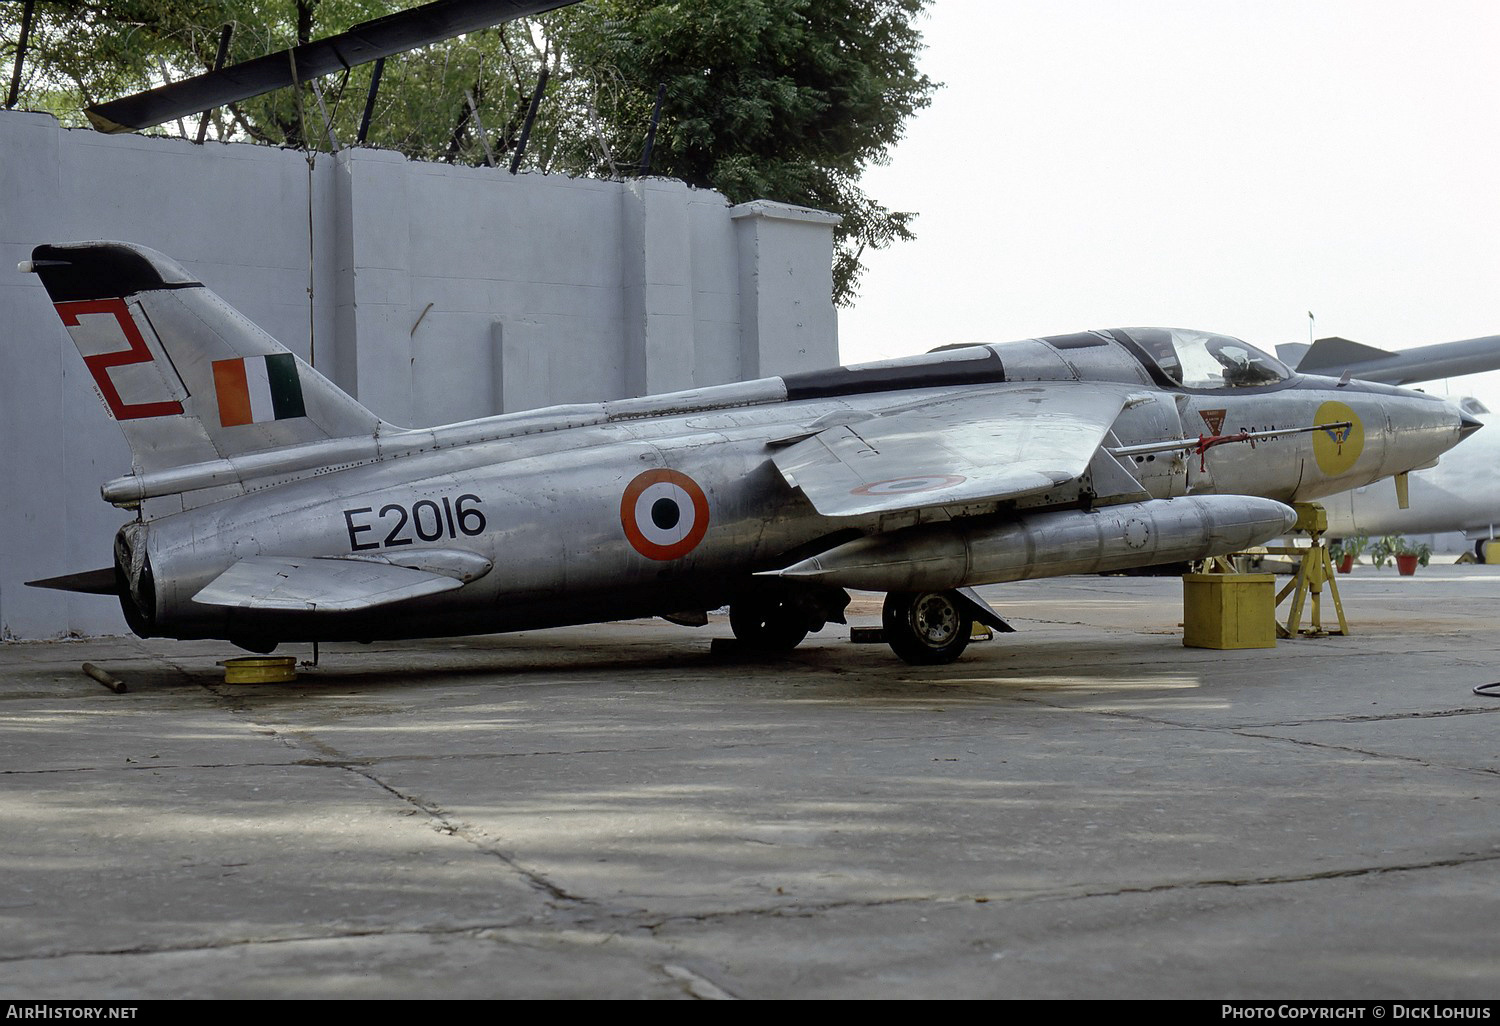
1314 569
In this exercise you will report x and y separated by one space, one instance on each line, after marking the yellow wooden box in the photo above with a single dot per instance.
1229 610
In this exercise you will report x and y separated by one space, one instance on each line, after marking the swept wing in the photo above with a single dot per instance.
986 445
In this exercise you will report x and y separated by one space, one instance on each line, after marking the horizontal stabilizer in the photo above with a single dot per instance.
90 582
1335 354
296 584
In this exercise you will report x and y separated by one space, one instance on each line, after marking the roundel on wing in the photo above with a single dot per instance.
903 485
664 514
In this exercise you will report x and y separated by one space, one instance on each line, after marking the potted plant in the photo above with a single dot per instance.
1382 551
1409 555
1346 550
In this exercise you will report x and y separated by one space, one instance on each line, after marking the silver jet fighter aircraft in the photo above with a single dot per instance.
271 507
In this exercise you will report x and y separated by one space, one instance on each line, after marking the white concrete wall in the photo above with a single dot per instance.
438 293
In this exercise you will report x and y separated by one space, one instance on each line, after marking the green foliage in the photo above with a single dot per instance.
787 100
1398 545
781 99
1352 546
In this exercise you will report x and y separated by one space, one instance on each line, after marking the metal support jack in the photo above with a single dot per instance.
1219 565
1314 569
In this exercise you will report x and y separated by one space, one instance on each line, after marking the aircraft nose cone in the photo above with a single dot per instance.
1467 425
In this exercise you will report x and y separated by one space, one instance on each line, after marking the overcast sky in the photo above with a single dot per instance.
1220 164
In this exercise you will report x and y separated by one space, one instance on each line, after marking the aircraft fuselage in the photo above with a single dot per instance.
548 508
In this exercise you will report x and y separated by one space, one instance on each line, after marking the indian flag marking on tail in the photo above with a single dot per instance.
255 389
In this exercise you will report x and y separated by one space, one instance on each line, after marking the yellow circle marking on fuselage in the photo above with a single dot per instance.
1337 448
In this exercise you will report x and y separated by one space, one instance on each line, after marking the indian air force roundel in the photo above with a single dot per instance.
903 485
664 513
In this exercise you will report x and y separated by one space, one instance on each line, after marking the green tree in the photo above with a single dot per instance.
787 100
782 99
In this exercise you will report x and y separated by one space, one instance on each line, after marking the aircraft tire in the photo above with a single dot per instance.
1484 549
926 628
765 623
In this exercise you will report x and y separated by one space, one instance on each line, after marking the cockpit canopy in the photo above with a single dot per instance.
1201 359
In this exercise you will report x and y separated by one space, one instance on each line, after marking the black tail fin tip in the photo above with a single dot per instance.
77 271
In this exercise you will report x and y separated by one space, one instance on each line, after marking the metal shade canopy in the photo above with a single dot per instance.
366 42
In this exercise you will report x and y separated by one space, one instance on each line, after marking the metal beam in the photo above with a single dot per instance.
224 36
15 74
661 94
366 42
536 101
364 121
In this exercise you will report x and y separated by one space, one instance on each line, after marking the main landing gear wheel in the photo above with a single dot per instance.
926 627
766 622
1485 550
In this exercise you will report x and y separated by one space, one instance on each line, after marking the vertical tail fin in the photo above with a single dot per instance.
188 378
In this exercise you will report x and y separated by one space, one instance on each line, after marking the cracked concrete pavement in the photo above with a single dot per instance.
1082 809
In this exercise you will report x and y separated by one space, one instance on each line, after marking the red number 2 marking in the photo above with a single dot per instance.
100 363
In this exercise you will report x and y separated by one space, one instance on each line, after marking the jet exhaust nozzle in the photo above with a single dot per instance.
134 580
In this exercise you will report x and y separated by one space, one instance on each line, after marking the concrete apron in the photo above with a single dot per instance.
1082 809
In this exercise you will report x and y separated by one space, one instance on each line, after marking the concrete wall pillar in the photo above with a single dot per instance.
523 364
656 286
786 271
374 319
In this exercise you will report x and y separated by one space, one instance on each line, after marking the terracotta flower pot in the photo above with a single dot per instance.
1346 564
1406 564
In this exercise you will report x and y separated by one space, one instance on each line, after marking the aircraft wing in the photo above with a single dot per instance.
980 446
319 585
1335 356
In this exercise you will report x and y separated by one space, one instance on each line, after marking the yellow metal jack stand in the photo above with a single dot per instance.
1314 569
